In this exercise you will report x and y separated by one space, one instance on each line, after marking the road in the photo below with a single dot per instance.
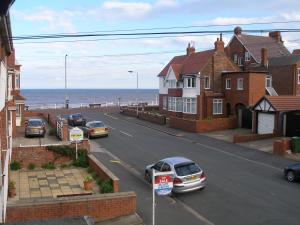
245 186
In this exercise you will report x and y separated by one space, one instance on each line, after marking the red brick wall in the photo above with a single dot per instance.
175 92
103 172
280 147
38 155
280 73
251 137
100 207
201 126
297 85
158 119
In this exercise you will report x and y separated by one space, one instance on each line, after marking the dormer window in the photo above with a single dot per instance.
247 56
190 82
268 81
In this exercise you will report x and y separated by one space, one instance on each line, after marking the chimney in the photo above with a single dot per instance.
276 35
237 31
219 44
264 57
190 49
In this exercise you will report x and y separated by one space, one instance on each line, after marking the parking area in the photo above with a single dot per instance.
21 140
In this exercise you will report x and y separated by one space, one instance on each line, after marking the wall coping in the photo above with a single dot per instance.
41 201
104 168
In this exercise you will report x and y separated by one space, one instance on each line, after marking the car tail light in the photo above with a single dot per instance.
177 181
92 130
202 176
106 129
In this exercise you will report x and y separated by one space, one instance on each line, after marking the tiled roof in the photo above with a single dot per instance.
177 70
296 52
254 44
285 103
284 60
190 64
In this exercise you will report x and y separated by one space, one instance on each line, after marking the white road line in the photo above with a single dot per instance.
116 118
123 132
110 127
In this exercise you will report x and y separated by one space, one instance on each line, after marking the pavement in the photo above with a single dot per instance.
245 186
41 183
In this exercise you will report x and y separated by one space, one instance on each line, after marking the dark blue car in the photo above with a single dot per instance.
292 172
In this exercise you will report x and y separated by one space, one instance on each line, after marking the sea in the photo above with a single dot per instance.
55 98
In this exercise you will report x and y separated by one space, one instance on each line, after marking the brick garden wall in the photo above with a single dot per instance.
103 172
200 126
100 207
38 155
251 137
144 115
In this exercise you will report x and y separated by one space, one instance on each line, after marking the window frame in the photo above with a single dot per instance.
235 58
219 106
298 75
240 61
247 56
175 104
188 105
206 78
226 86
238 86
189 82
268 78
165 102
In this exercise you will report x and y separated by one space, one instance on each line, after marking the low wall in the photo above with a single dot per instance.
129 112
200 126
99 206
280 147
38 155
251 137
103 172
153 118
47 116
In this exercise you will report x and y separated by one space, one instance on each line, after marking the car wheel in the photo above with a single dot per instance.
148 177
290 176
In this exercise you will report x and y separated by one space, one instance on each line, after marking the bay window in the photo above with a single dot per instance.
189 105
175 104
190 82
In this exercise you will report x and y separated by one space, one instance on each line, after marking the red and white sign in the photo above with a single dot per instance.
163 184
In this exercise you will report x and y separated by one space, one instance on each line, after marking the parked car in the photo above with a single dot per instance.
187 175
292 172
76 120
63 117
95 129
35 127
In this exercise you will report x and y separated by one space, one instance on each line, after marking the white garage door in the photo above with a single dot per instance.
265 123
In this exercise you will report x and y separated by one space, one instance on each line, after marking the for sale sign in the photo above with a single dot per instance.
76 134
163 184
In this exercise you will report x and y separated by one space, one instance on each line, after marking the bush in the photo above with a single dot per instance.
31 166
53 132
94 175
82 160
88 179
48 166
106 187
15 165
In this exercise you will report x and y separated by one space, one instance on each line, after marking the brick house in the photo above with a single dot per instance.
190 85
7 105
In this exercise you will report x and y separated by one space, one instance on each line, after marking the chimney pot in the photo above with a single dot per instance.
276 35
219 45
237 31
190 49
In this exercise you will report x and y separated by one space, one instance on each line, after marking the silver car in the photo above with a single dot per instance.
188 176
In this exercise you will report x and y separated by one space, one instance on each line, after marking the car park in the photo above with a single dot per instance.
292 172
187 175
35 128
76 120
95 129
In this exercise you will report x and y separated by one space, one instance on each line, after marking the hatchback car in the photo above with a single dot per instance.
35 127
187 175
76 120
292 172
95 129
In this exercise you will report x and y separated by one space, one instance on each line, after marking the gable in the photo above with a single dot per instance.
264 105
171 74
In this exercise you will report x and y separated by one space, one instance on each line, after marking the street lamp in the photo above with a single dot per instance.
137 78
66 94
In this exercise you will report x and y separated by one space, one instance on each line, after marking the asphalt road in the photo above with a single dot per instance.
245 187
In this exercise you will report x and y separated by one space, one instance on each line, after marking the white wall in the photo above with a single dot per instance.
192 92
162 89
3 85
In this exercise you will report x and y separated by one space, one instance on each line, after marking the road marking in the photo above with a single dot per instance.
115 161
110 127
108 115
139 176
123 132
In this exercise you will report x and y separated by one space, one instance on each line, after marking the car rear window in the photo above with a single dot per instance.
186 169
76 116
34 123
94 125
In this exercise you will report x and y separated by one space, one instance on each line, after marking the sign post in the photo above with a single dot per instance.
162 184
76 135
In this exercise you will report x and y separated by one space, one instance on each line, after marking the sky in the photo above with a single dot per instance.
93 62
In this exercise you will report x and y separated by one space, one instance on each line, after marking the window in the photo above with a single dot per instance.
247 56
18 110
206 82
228 83
17 85
165 102
268 81
158 166
240 84
240 61
189 105
164 82
298 75
235 58
175 104
166 167
190 82
172 83
217 106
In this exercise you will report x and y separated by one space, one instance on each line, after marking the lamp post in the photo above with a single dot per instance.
66 94
137 87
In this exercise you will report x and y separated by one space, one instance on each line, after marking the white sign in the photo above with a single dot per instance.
76 134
